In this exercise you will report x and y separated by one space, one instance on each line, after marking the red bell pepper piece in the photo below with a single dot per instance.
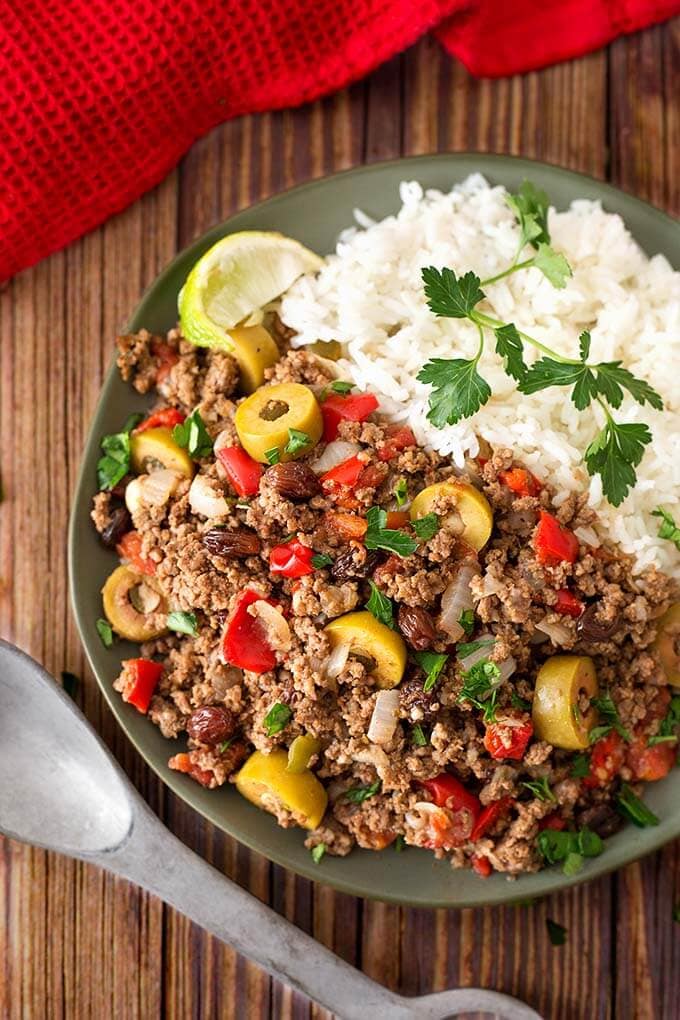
167 418
337 408
490 815
482 865
520 481
244 643
650 763
166 357
141 680
568 604
397 438
243 472
130 548
345 474
460 809
292 559
554 544
508 739
553 821
606 758
184 763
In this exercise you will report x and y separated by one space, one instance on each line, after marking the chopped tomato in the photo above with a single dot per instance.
141 680
553 821
520 481
130 548
337 408
568 604
244 642
508 738
292 559
184 763
347 526
554 544
650 763
243 472
490 815
345 474
166 357
397 438
482 865
452 825
167 418
606 759
372 476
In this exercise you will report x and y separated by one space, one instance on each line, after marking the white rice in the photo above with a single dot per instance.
369 296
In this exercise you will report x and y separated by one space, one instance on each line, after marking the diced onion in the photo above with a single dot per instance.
490 586
274 624
507 667
151 490
204 500
457 599
588 536
421 813
384 719
334 454
557 632
479 653
133 495
337 660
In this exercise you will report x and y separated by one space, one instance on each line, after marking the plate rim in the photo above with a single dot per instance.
498 889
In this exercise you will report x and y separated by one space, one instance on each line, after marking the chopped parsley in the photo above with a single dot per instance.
580 766
273 456
105 631
115 463
668 725
426 527
401 492
569 848
380 606
358 794
183 623
540 788
631 807
320 560
192 436
225 744
418 738
297 441
399 843
465 649
340 386
432 663
378 536
70 683
480 684
467 621
318 851
668 528
520 703
610 716
557 933
276 719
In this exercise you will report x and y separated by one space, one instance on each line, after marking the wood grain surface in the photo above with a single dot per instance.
77 943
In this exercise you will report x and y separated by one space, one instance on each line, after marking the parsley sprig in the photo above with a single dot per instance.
459 391
480 687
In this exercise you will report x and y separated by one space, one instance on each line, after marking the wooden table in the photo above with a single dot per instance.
77 943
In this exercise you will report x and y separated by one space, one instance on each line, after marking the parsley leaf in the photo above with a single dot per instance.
276 719
69 682
509 346
380 606
480 685
358 794
320 560
399 843
432 663
318 851
547 372
226 744
105 631
668 528
668 724
401 492
418 738
580 766
297 441
562 846
458 390
614 454
632 808
612 379
552 264
466 620
340 386
379 537
540 788
467 648
193 436
183 623
449 296
609 714
530 207
557 933
115 463
273 456
426 527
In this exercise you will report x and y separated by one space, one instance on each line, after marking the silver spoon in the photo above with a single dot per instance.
61 789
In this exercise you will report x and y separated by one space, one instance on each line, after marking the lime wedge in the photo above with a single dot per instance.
237 277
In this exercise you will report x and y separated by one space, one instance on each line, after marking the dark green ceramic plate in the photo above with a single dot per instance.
315 213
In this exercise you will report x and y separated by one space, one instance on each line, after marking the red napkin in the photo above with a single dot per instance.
99 99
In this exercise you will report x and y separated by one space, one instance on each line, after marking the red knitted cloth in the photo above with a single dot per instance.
100 98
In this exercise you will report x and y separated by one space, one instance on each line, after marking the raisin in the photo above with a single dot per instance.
415 703
591 628
222 542
354 563
211 724
293 480
417 627
119 523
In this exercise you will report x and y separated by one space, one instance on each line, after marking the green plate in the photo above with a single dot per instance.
315 213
